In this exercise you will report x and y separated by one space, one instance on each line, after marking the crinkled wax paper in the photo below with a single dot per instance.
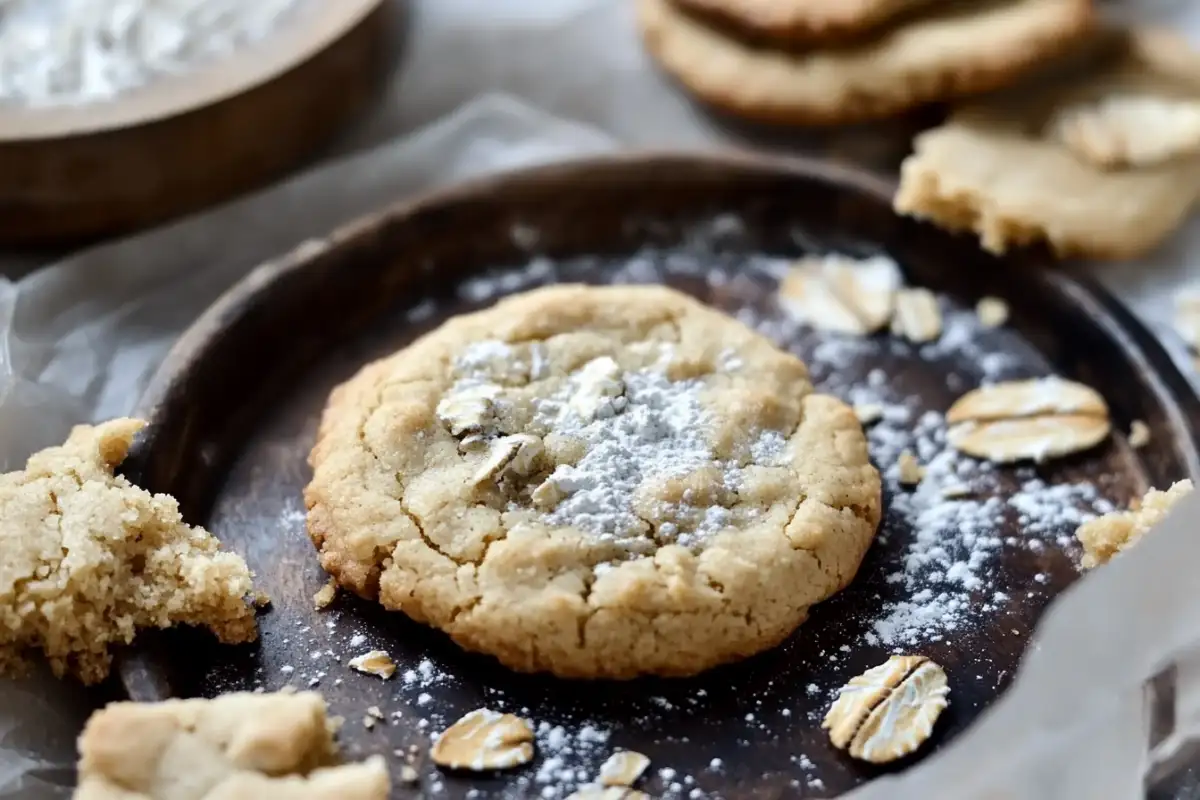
492 84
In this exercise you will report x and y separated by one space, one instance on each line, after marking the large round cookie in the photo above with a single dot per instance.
594 482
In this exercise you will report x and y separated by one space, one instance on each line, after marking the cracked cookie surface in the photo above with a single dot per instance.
89 559
594 482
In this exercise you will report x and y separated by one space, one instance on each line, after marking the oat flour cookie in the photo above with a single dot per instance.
1103 163
953 51
803 21
89 558
238 746
594 482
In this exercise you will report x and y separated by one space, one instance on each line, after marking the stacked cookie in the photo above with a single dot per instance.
814 62
1101 160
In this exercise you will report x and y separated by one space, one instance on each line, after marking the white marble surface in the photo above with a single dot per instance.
486 84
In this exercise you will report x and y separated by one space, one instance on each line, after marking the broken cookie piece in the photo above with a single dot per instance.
89 559
1030 165
1106 536
376 662
234 746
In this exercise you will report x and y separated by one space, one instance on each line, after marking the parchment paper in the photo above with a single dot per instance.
495 84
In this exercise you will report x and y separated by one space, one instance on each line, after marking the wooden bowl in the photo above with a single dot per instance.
187 141
233 411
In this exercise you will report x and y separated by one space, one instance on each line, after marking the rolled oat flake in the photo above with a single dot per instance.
888 711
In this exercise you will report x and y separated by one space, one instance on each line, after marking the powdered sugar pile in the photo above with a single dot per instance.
636 426
660 432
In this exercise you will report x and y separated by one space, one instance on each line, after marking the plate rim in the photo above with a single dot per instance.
1117 320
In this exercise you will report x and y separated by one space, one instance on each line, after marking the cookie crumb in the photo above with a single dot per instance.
1106 536
911 471
1139 434
409 774
376 662
992 312
261 599
255 745
325 595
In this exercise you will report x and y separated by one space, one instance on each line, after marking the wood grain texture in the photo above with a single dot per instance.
189 141
234 407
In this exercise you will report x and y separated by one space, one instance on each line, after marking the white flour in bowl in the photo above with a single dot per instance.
74 52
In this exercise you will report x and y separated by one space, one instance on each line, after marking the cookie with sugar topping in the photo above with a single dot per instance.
593 482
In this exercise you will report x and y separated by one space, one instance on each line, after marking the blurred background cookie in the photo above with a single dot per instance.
1102 162
802 21
951 51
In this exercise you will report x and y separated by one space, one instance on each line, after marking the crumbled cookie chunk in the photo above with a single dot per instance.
484 740
1028 420
1139 434
1104 537
996 168
325 595
991 311
376 662
889 711
89 559
235 746
910 470
1129 130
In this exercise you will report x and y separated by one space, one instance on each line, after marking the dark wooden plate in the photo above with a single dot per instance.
234 407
